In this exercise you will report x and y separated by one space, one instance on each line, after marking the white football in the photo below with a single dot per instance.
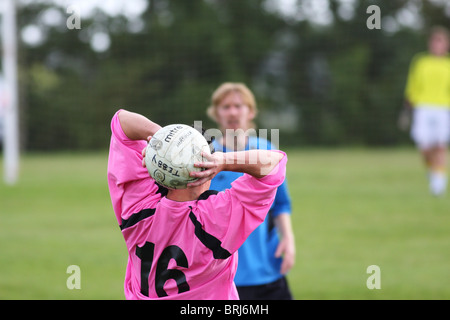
171 154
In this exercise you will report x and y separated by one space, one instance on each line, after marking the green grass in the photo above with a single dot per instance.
352 208
356 208
60 214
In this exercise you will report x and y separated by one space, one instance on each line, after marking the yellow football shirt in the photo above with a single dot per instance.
429 81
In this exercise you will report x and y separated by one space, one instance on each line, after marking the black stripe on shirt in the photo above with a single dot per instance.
208 240
136 218
145 213
205 195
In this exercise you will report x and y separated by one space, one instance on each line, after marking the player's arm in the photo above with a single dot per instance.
234 213
136 126
125 172
257 163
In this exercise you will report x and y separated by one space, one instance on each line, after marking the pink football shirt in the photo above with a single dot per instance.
182 250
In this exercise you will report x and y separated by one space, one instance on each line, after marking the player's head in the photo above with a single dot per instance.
439 41
233 106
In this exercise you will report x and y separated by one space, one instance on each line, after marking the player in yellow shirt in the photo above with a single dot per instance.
428 94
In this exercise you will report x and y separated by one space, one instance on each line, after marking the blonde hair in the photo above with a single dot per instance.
226 88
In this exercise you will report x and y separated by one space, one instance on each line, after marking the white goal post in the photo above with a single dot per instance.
10 96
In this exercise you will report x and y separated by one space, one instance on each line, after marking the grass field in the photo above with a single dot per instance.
352 208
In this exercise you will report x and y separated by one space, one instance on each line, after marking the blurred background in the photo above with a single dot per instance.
319 73
330 83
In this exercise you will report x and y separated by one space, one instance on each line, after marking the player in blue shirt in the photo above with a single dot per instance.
264 258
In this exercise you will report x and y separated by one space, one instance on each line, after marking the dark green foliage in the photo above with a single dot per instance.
345 81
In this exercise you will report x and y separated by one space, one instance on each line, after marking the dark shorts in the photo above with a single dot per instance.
277 290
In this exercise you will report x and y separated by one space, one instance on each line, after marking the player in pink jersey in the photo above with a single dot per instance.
182 244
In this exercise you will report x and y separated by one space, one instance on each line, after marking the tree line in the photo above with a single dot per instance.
335 82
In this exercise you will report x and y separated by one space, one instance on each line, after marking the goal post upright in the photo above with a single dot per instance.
11 114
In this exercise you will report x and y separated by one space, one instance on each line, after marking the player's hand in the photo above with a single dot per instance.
286 249
143 152
212 166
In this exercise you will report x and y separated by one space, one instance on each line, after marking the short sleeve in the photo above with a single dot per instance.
236 212
282 203
130 185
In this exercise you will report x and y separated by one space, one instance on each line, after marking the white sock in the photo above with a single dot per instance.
438 182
